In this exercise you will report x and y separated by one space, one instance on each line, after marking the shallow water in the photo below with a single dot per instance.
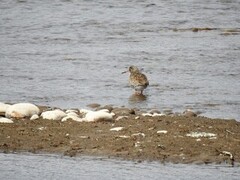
26 166
71 53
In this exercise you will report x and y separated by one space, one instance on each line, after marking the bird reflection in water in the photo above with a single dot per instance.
137 98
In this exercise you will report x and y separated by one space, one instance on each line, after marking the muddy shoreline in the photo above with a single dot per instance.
177 139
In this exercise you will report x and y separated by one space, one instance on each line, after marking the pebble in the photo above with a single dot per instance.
124 136
121 118
116 129
5 120
42 128
152 115
162 132
34 117
147 114
139 134
137 117
200 134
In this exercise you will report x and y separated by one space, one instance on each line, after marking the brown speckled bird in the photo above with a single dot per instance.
137 80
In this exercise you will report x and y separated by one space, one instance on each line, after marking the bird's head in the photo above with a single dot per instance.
133 69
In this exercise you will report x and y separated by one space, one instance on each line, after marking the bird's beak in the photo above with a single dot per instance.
124 72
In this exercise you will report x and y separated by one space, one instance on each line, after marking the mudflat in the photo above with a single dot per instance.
177 139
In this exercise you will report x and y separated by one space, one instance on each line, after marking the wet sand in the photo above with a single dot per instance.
161 139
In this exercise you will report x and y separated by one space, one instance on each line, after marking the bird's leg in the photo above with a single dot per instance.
138 93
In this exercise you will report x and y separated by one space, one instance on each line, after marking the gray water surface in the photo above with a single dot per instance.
71 53
26 166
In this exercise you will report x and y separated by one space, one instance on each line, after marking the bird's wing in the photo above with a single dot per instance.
142 79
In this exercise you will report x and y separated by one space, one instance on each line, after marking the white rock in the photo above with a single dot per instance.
157 114
101 115
56 114
3 107
5 120
152 115
116 129
137 144
21 110
84 137
200 134
228 153
71 111
162 132
72 114
34 117
103 110
72 117
42 128
84 111
139 134
147 114
121 117
124 136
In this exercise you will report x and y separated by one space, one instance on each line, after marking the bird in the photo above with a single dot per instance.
137 80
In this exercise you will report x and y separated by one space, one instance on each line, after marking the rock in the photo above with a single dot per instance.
123 111
72 117
139 134
72 111
5 120
189 113
201 134
162 132
56 114
84 111
156 114
121 117
21 110
116 129
34 117
147 114
152 115
3 107
123 136
101 115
